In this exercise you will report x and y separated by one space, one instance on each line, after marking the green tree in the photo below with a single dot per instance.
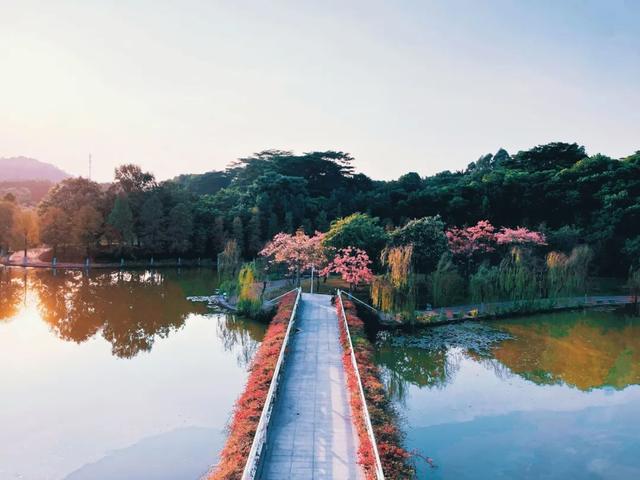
255 232
428 239
121 219
238 233
447 284
180 228
151 222
360 231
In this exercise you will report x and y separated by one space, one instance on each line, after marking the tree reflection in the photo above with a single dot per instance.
416 366
11 294
242 335
130 309
584 350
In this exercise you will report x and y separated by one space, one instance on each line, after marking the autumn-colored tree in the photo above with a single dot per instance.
86 227
353 265
6 224
25 229
54 228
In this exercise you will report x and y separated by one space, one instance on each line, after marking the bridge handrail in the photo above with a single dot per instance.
280 296
367 417
360 301
260 438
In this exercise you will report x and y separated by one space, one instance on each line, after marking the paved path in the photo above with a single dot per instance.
311 431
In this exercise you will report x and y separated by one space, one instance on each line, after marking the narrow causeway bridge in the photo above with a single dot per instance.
306 430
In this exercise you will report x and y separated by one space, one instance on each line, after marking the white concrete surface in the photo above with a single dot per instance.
311 432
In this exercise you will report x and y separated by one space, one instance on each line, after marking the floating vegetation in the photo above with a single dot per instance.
474 336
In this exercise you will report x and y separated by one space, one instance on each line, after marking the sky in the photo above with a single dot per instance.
425 86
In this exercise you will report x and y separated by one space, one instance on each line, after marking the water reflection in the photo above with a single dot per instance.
11 293
129 309
585 350
548 396
104 371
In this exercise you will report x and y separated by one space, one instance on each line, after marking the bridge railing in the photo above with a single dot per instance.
365 409
254 460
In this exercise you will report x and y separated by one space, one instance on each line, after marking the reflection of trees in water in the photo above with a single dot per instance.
241 335
11 294
416 366
585 350
131 309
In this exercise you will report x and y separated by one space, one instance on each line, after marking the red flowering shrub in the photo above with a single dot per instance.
248 407
394 458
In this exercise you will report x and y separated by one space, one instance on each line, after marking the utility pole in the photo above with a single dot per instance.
89 166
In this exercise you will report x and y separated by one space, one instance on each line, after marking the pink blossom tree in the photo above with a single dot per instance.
467 242
298 251
520 236
352 264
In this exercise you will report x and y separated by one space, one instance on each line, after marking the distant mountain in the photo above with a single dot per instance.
23 168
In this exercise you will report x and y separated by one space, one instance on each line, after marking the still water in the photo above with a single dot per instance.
548 396
115 374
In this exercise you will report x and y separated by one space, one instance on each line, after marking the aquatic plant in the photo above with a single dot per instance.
248 407
396 461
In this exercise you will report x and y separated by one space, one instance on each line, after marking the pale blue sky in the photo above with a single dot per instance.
424 86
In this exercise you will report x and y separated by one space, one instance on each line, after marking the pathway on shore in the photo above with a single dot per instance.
311 432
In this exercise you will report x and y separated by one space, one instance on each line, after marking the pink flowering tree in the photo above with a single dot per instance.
352 264
520 236
467 242
298 251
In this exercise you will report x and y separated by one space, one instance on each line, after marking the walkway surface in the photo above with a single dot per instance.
311 432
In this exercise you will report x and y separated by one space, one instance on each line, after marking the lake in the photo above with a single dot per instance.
548 396
114 374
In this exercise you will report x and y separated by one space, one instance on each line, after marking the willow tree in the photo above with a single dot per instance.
568 275
394 292
248 291
447 285
556 273
578 266
484 285
518 276
229 261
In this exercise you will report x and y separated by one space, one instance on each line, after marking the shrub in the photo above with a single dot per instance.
395 459
249 406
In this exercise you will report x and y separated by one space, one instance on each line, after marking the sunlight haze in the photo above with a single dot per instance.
183 87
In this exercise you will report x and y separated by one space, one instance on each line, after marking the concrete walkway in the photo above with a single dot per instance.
311 432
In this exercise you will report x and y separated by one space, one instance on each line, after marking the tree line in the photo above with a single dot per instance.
557 189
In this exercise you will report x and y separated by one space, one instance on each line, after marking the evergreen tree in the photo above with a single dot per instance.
121 219
151 223
238 233
255 232
180 228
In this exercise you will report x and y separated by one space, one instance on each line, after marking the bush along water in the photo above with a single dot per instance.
396 461
249 406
